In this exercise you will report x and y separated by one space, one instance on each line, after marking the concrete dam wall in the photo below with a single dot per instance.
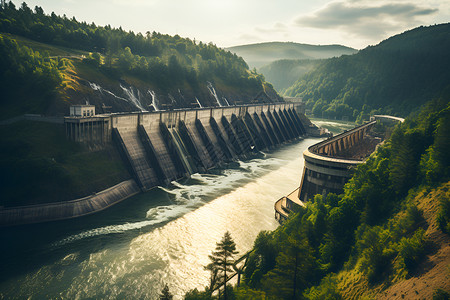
163 146
160 147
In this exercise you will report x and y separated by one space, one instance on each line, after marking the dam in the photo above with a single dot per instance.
328 166
162 146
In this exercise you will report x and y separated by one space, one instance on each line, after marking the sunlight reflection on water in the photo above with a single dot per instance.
170 243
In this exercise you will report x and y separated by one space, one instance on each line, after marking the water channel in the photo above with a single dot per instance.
163 236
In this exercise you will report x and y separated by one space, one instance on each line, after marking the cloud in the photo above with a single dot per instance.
364 18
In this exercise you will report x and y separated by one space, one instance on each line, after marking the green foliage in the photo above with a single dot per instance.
382 249
165 293
373 226
294 266
167 63
43 166
410 251
395 77
26 74
435 163
443 217
440 294
327 289
261 260
221 262
198 295
375 258
407 147
249 294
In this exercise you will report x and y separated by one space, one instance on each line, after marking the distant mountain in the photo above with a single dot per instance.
285 72
258 55
395 77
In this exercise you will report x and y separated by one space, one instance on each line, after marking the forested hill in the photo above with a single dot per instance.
284 73
258 55
48 62
394 77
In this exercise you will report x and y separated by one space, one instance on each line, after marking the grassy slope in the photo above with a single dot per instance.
39 165
432 273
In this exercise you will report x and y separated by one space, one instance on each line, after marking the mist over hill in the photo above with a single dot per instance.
258 55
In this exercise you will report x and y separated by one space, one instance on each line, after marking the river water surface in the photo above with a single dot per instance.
163 236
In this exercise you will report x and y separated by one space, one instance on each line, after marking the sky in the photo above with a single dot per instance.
353 23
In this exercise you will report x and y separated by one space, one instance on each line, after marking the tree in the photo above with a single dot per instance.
222 260
295 268
165 293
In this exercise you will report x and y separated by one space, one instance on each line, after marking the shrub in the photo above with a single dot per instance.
410 252
443 217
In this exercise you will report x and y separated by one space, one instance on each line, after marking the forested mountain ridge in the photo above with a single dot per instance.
258 55
394 77
112 68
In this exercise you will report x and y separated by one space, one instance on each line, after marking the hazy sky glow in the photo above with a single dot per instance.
354 23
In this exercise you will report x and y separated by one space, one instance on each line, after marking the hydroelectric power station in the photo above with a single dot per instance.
161 146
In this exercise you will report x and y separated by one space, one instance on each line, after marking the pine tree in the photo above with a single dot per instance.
222 260
165 293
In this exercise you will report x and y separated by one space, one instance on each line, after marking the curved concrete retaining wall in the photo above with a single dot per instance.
323 175
69 209
325 171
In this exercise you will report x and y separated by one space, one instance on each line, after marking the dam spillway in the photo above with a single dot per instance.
162 146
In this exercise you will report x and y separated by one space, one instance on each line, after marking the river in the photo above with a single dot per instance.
160 237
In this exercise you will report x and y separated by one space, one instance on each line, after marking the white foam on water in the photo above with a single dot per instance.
186 197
